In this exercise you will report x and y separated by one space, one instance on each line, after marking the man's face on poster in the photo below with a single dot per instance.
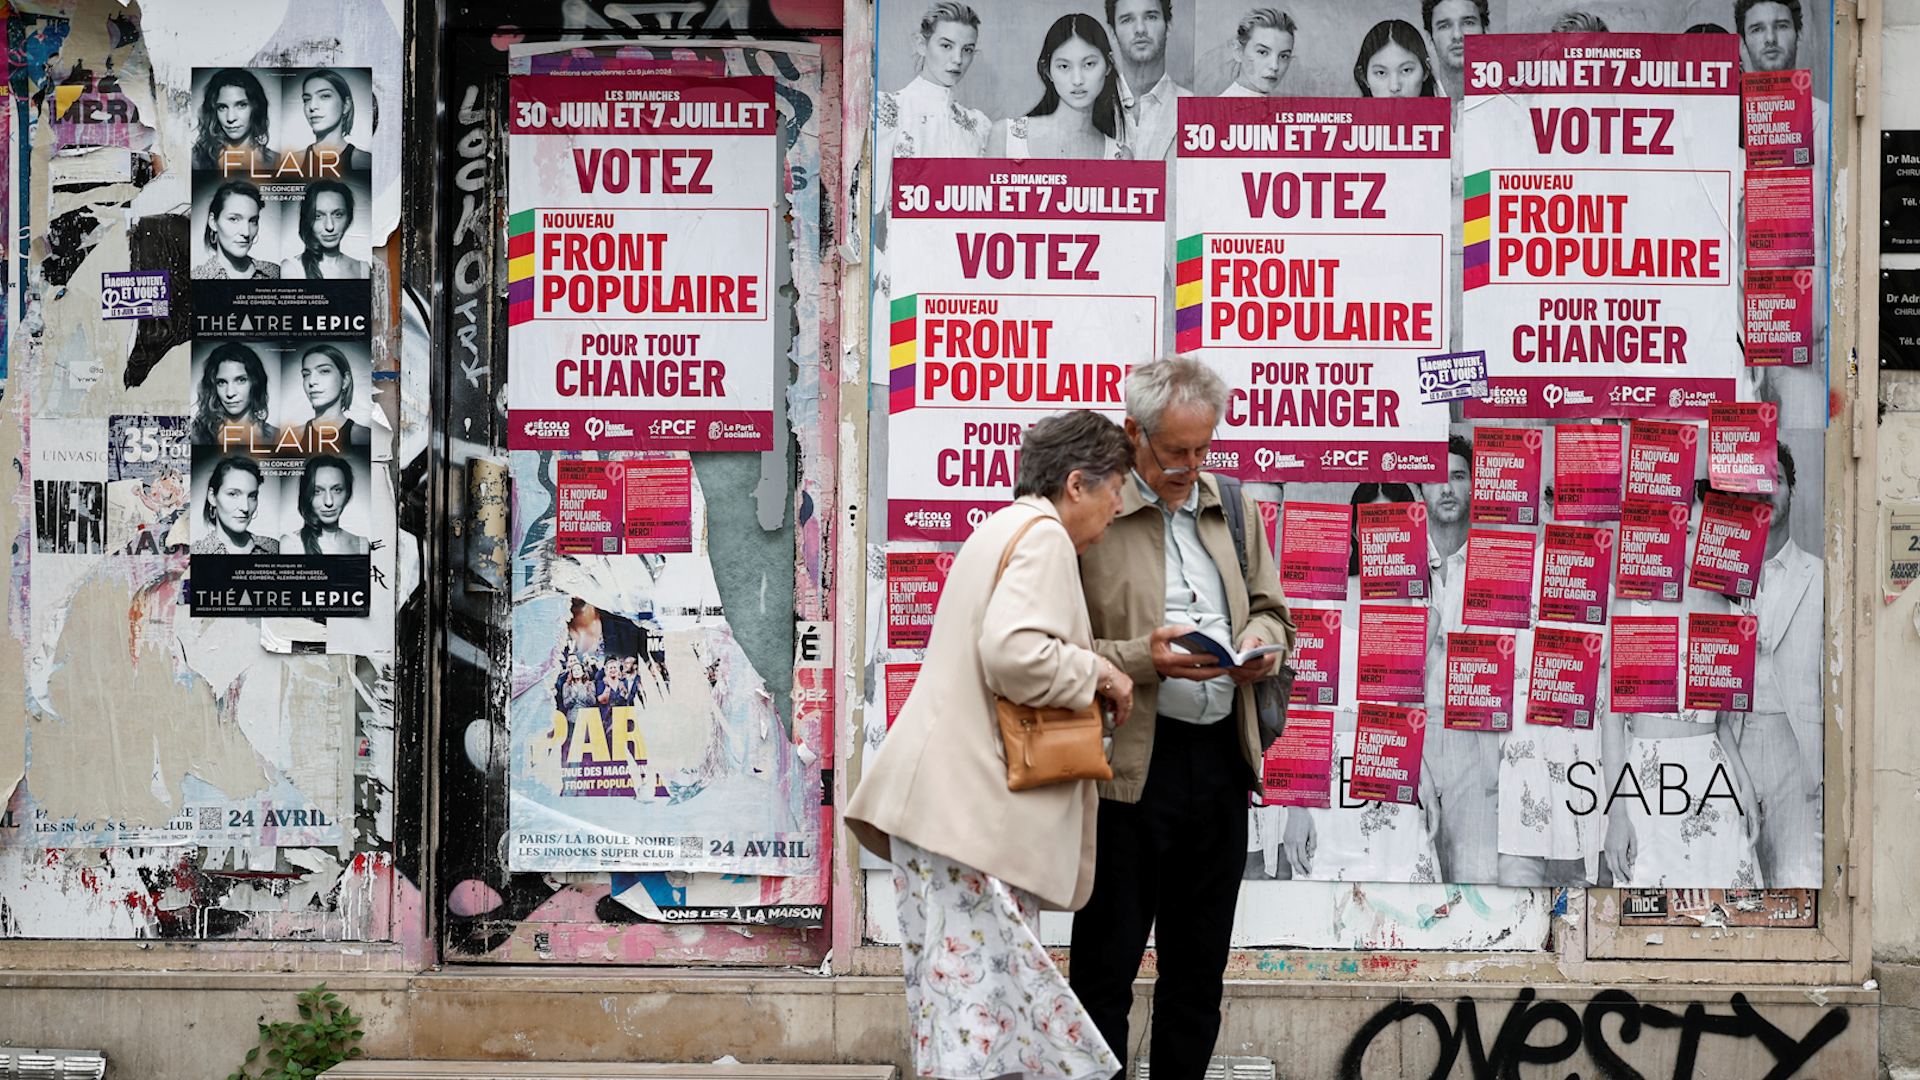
1768 37
1140 30
1782 502
1453 20
1447 502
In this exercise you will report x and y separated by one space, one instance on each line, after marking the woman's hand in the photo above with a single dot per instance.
1621 847
1117 688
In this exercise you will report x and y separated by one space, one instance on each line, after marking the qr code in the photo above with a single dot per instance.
1582 717
1669 590
1500 721
692 847
209 818
1740 703
1406 793
1479 388
1800 354
609 545
1326 695
1593 613
1802 156
1416 588
1526 515
1744 587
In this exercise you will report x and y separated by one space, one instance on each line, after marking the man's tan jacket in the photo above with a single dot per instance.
1125 579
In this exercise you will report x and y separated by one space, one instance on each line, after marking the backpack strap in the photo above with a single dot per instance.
1236 511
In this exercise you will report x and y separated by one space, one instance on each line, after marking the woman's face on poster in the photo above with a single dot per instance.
1078 71
232 389
1265 58
323 106
947 53
236 501
233 112
322 380
1394 72
331 216
236 226
329 497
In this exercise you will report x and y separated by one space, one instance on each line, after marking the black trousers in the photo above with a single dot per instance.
1169 864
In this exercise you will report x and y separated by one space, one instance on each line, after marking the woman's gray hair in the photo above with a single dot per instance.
1171 383
1057 446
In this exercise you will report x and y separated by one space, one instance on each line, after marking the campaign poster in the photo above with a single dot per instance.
1499 585
1653 550
1780 217
1779 316
1586 472
1506 476
1743 446
590 508
1731 545
1645 664
1601 181
1720 661
135 294
914 581
1480 683
1386 753
1778 118
899 683
659 505
1316 657
1660 461
1298 767
1393 550
640 246
1576 567
1565 679
1314 538
149 470
1311 271
1393 653
1020 289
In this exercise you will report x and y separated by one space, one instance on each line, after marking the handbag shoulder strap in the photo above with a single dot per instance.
1007 555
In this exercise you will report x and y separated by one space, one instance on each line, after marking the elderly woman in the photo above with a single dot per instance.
974 863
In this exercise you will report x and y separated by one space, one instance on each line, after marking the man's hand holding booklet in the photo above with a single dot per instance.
1200 642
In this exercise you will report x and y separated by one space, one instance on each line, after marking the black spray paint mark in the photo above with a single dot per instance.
159 242
1513 1046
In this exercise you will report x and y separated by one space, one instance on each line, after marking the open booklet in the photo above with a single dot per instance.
1200 642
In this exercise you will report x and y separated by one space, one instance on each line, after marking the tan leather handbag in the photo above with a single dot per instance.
1049 746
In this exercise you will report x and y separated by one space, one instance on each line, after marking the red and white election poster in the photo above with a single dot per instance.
1393 551
1480 682
1600 188
1576 565
1565 679
1653 550
1646 664
1311 272
640 281
1779 316
1313 549
1316 657
914 582
1020 289
1506 476
1298 767
1393 653
1732 545
1720 658
1779 118
1743 446
1660 461
1499 579
1386 752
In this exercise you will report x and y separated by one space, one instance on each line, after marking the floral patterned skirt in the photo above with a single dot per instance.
983 997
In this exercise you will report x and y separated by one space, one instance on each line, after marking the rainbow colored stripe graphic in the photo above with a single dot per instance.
903 354
520 268
1188 305
1479 228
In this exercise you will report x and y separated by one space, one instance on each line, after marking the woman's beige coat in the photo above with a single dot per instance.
940 779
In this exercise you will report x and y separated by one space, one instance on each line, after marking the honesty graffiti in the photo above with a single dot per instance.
1513 1045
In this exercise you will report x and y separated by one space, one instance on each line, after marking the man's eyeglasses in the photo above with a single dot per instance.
1182 470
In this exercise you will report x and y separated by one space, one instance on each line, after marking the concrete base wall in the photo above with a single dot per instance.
192 1026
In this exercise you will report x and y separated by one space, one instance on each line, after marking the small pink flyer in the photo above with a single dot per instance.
1653 550
659 514
1660 461
1314 538
1575 565
1587 468
1720 656
1298 768
1646 664
588 507
1743 446
1316 657
1565 678
899 683
1780 316
1506 476
914 581
1780 218
1778 114
1393 551
1732 545
1499 586
1480 682
1386 753
1393 653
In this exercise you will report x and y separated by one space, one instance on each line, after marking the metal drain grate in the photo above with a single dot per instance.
1222 1068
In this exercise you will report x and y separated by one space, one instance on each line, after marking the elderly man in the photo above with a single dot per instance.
1173 820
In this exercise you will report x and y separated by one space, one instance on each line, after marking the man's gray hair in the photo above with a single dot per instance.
1172 383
